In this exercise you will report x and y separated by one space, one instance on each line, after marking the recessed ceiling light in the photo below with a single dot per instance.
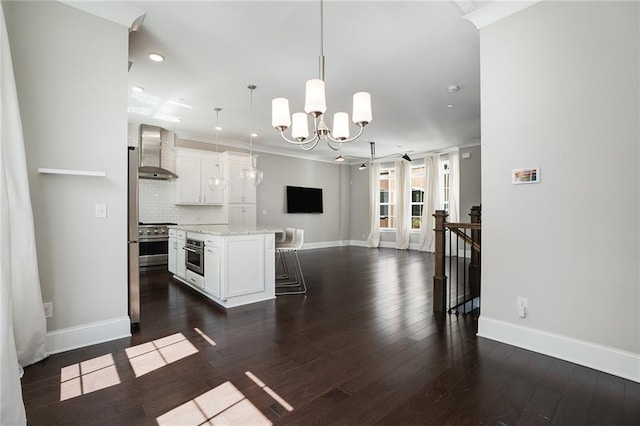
218 128
450 106
254 135
156 57
138 89
453 88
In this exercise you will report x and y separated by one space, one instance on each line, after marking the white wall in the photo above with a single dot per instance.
71 76
280 171
560 91
470 181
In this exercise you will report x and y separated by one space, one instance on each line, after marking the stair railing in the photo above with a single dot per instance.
456 281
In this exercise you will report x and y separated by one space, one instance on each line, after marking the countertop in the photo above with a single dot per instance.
221 230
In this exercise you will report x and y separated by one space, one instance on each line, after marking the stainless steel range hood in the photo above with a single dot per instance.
151 154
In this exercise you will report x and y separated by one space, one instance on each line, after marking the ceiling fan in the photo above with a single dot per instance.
373 158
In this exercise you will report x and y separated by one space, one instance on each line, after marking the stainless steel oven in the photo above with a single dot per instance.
194 256
153 239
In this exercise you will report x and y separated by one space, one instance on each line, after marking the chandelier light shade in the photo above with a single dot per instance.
315 106
250 175
217 181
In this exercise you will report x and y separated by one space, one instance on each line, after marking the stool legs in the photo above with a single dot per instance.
284 284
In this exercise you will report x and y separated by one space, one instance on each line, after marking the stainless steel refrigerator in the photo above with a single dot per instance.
132 237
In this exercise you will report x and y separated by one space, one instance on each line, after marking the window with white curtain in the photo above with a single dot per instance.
418 185
446 184
388 198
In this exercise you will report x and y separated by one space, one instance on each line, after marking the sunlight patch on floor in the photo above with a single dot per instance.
205 337
153 355
222 405
269 391
88 376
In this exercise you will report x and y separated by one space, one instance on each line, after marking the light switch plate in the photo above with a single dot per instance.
101 210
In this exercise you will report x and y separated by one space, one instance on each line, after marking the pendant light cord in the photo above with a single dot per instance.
251 88
321 58
217 127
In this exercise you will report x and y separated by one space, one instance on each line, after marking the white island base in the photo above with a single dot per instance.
239 263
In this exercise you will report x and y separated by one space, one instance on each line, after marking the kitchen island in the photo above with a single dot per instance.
233 266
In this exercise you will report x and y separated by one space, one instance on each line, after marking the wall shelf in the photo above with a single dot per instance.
70 172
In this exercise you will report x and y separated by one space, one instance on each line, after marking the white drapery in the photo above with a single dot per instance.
431 200
22 322
434 197
454 186
374 205
403 204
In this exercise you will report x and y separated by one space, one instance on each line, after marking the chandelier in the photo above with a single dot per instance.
250 175
217 182
315 106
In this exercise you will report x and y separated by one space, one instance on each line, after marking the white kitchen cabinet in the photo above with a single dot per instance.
239 192
195 280
242 215
194 170
173 251
212 271
181 266
239 264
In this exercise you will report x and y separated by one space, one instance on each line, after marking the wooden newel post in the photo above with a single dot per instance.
474 265
439 278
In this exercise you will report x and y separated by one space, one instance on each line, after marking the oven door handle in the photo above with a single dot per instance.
190 249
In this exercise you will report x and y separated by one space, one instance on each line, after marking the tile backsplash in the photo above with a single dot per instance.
157 204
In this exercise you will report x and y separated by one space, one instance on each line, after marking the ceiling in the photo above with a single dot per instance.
405 54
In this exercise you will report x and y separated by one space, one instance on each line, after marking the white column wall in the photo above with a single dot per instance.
71 77
560 91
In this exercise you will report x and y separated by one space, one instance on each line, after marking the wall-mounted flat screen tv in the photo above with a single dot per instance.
304 200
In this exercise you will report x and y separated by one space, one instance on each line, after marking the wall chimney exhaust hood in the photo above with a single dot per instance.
151 154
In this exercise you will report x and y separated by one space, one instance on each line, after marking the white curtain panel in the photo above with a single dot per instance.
403 204
374 205
427 235
23 326
454 186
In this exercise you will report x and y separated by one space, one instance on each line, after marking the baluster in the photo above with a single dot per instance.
474 266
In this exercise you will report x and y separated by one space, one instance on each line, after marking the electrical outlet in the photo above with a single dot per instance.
523 307
48 309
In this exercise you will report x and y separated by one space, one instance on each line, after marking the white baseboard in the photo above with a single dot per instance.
358 243
70 338
610 360
325 244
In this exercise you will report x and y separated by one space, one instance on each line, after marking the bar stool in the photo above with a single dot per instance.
283 239
294 283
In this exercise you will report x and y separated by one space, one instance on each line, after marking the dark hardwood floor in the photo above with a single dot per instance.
363 347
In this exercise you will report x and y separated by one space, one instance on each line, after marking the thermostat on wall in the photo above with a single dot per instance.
530 175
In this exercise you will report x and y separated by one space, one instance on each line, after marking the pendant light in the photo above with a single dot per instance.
217 182
250 175
315 107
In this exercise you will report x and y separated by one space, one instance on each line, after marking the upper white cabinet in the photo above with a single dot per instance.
239 193
243 215
194 168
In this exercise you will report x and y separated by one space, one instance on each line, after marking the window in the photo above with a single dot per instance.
445 185
387 198
418 185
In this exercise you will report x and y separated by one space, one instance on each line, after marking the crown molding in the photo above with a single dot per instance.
256 147
495 11
119 12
